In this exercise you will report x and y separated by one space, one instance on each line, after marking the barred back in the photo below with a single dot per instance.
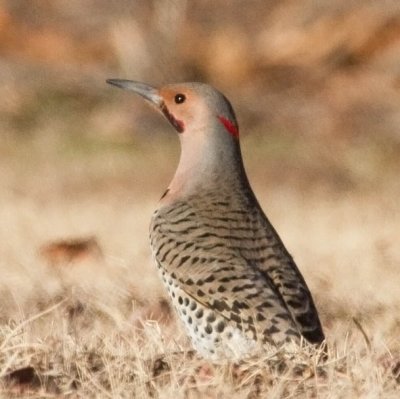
217 251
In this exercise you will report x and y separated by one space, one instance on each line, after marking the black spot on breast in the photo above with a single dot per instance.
220 326
211 318
208 329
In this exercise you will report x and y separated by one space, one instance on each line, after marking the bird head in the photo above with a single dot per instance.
191 108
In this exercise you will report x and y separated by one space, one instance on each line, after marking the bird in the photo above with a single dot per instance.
229 276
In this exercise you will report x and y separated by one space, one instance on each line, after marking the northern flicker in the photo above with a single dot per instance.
229 276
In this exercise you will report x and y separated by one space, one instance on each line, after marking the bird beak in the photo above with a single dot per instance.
146 91
150 94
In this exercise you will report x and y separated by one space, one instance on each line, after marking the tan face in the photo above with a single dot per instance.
186 109
180 106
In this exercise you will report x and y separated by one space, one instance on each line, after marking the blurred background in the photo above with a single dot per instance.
326 69
316 88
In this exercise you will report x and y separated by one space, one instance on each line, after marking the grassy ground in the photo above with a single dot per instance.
77 328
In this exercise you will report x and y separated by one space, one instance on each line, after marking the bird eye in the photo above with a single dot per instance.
180 98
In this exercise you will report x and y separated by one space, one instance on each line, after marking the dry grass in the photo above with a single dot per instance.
77 326
328 72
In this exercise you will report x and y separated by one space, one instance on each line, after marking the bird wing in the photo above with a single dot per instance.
248 277
221 279
284 274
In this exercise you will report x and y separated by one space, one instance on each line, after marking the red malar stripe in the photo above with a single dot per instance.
229 126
